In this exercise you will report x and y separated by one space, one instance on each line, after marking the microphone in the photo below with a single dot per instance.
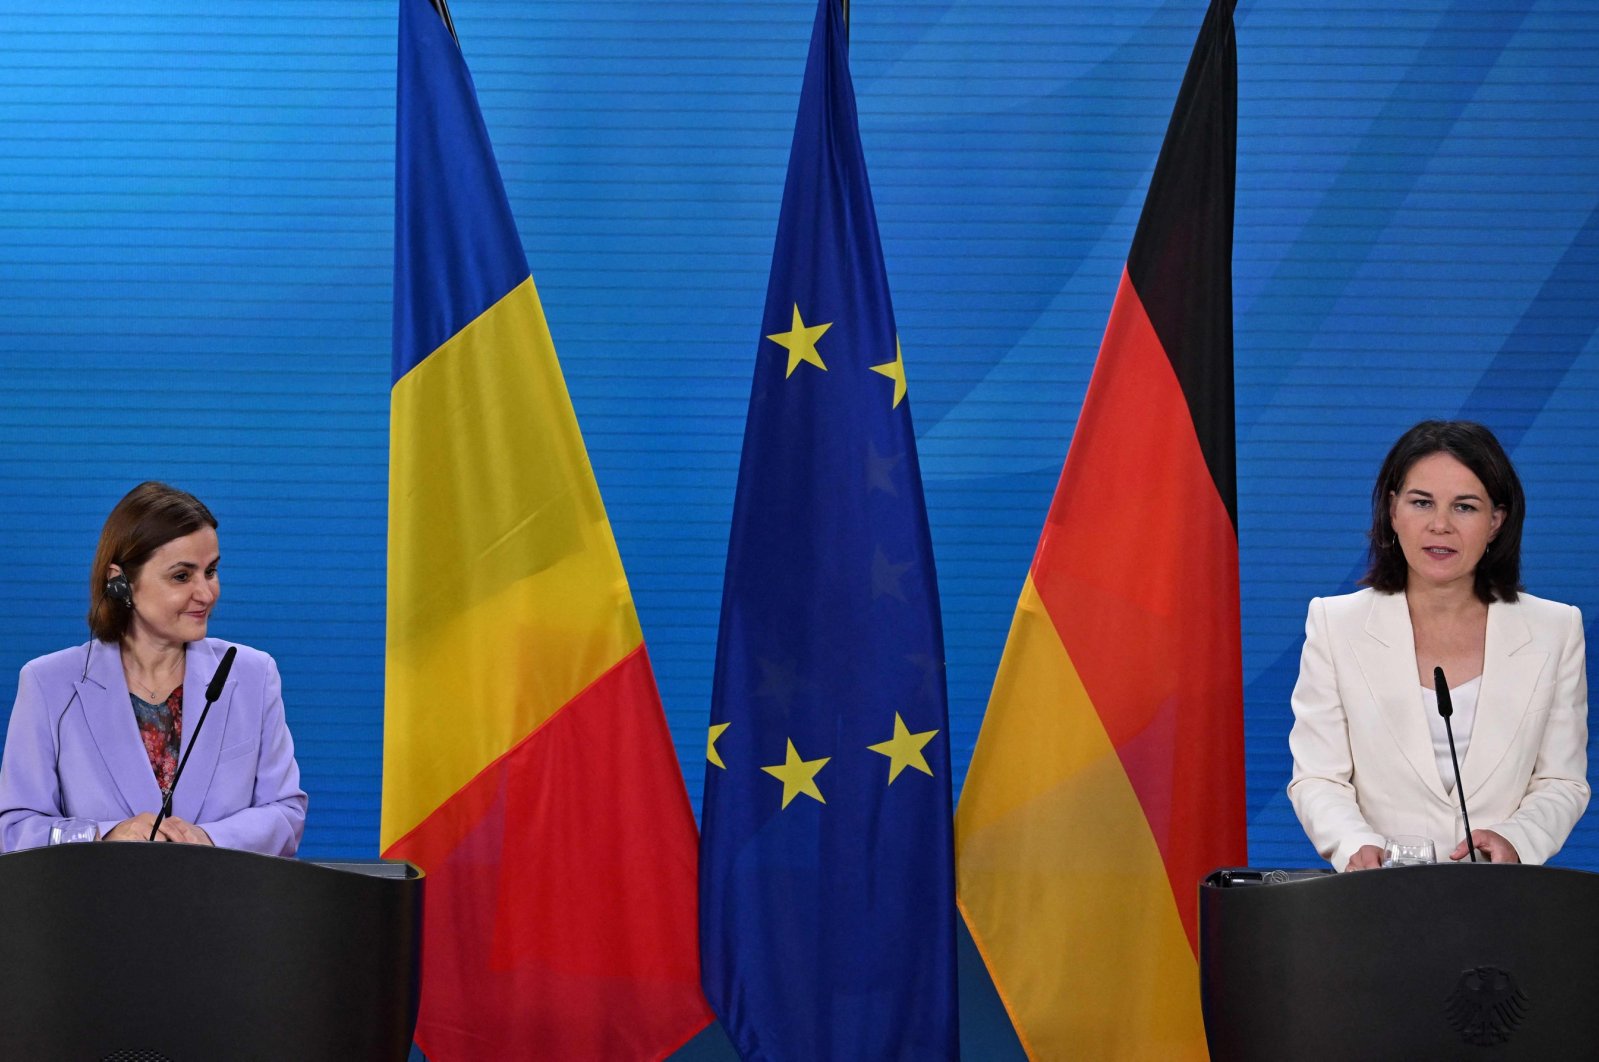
1446 708
212 692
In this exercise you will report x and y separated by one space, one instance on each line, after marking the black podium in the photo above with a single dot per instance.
1429 962
192 954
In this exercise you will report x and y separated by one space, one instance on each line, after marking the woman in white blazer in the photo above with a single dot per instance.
1371 758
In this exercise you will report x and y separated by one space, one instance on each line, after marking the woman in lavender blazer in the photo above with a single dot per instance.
97 729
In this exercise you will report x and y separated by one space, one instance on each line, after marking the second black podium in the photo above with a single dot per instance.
1431 962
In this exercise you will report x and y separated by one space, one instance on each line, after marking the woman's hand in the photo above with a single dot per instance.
182 832
1366 857
138 829
1490 844
134 829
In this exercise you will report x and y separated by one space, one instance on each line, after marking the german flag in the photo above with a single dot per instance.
527 767
1108 776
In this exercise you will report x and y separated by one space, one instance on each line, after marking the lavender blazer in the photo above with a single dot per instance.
73 748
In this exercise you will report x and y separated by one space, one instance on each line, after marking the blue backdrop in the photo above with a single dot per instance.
195 256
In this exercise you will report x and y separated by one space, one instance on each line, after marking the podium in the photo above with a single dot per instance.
1477 961
187 953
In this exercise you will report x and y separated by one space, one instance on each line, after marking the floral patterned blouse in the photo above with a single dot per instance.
161 727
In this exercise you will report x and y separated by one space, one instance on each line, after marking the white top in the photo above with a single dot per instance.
1464 699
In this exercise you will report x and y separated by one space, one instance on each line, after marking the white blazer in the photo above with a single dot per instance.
1363 757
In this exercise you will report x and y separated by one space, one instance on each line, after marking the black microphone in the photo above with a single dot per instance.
212 692
1446 708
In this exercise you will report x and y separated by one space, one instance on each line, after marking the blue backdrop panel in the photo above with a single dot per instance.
195 254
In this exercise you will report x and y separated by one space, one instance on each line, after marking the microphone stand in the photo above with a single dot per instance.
212 692
1446 708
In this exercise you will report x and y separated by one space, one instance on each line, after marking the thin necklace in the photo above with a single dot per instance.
155 694
155 691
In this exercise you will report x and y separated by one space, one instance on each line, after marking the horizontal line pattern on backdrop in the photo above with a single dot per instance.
196 275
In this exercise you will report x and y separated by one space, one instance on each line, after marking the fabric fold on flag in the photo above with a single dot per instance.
1108 777
527 766
826 879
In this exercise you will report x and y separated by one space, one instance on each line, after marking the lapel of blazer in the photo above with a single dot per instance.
199 665
103 692
1386 649
1510 667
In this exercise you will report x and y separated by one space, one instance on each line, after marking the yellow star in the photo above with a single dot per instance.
710 744
894 370
904 749
800 342
798 776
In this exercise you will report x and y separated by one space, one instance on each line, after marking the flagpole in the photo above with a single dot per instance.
845 4
443 8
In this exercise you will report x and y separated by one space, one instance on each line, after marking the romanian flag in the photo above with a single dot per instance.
1109 774
827 914
527 767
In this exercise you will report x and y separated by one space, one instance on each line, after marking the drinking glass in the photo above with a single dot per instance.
1408 851
72 831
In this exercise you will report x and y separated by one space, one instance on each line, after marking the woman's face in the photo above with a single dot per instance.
176 589
1444 520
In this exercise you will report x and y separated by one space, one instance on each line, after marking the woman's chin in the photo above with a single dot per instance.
1437 575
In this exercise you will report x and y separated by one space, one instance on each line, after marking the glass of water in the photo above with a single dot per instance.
1408 851
72 831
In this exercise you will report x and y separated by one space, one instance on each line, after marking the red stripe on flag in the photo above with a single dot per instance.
560 914
1138 567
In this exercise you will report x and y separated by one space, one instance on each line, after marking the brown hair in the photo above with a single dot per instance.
147 518
1498 575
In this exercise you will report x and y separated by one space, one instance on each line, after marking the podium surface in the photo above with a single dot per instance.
1430 962
184 952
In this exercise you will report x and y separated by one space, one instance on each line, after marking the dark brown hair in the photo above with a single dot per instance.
1498 575
147 518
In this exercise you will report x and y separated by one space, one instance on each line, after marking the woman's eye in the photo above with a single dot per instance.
180 577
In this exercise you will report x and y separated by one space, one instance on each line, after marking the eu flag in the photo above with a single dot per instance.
826 871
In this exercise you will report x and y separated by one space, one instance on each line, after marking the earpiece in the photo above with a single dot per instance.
117 589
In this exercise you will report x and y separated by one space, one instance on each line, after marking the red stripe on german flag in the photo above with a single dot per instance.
1138 568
